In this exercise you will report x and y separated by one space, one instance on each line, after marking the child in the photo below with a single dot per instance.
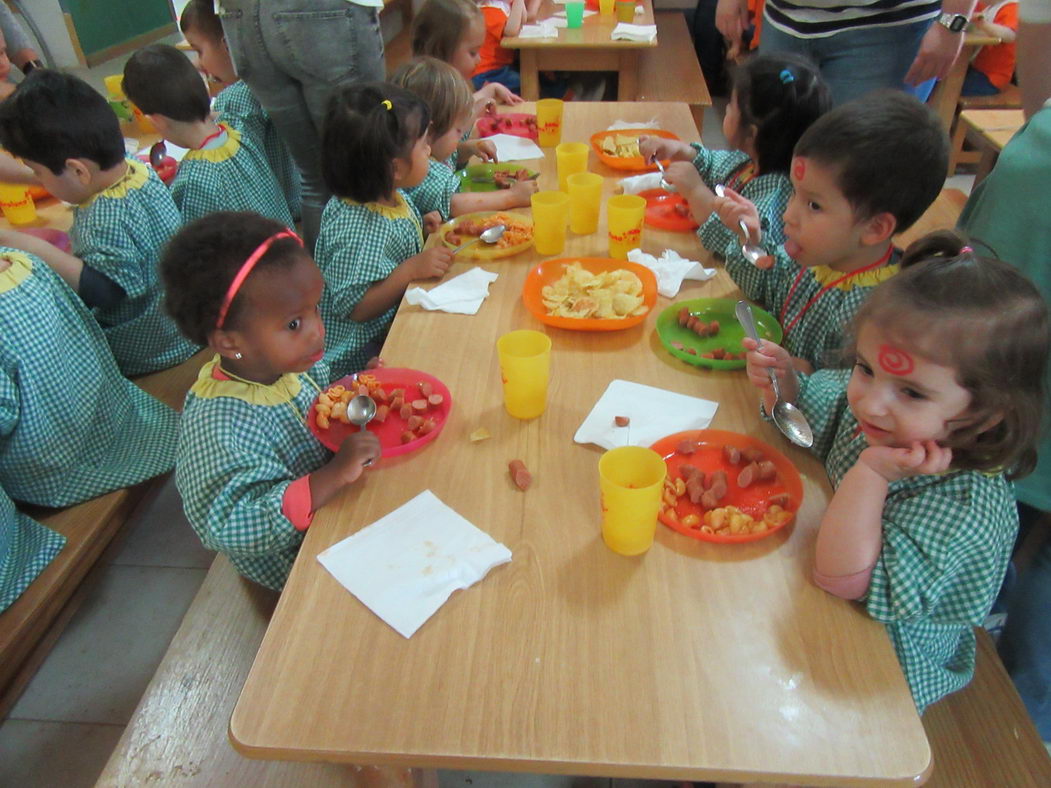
236 104
223 169
495 63
773 100
945 398
450 104
70 138
6 88
864 171
373 146
71 426
26 549
250 472
991 70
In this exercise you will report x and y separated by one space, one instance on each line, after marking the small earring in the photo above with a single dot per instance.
237 355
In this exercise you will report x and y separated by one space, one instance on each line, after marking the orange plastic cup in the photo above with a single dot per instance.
550 217
626 214
630 481
17 203
585 199
525 368
571 158
549 122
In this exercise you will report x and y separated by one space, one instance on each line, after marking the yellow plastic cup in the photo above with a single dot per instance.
630 480
550 216
115 85
549 122
571 158
606 7
625 11
17 204
525 367
626 213
585 198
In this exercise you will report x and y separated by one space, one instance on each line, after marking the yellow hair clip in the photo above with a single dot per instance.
387 104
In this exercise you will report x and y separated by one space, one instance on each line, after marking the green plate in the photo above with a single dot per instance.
730 331
479 177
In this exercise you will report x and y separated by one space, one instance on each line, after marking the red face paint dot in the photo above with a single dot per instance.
799 168
895 360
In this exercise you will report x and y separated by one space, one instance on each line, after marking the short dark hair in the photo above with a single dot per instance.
52 117
161 80
889 151
781 95
367 127
200 15
202 259
983 318
440 25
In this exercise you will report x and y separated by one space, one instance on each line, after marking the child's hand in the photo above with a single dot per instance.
375 363
686 180
359 448
520 193
432 220
921 459
483 149
429 264
732 209
764 356
651 148
499 93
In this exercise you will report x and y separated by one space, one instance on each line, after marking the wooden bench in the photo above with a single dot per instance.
1010 98
988 130
32 624
178 734
670 71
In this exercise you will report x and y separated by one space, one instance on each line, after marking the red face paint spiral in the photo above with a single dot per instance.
895 360
799 168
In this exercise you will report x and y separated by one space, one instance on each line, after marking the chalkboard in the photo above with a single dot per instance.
101 24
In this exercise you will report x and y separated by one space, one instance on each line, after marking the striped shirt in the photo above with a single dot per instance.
823 18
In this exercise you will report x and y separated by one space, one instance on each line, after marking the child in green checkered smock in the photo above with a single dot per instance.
861 173
250 472
451 108
773 100
941 409
371 242
71 426
26 548
223 169
123 214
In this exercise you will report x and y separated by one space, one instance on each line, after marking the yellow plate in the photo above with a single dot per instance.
481 250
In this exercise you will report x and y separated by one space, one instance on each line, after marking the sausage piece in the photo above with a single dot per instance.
687 472
709 500
748 474
781 499
621 421
695 488
520 475
426 389
752 455
767 471
687 447
435 400
381 413
732 455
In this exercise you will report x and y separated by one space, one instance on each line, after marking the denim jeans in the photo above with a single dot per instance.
854 62
293 54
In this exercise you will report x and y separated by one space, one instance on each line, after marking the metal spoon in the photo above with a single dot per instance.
664 183
157 153
751 252
361 410
490 236
788 418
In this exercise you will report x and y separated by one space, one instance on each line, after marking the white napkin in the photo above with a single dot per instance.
654 413
405 565
512 148
670 269
639 183
620 125
462 295
627 32
545 28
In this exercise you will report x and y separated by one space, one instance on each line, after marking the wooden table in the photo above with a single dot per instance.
695 660
989 130
946 93
587 48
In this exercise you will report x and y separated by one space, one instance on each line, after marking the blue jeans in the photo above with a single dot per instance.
854 62
976 83
294 54
507 76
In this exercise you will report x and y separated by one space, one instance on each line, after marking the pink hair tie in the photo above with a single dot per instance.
966 250
246 269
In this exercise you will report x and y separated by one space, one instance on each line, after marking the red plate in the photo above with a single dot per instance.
517 123
661 213
752 500
389 432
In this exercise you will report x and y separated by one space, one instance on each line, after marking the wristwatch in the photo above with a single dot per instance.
31 65
954 23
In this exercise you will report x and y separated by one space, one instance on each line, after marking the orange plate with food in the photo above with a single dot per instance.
559 275
394 430
516 238
740 510
668 211
610 147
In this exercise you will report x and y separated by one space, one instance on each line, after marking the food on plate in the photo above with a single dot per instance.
687 447
731 520
581 294
732 455
623 146
519 231
480 434
702 329
520 475
621 421
505 180
417 415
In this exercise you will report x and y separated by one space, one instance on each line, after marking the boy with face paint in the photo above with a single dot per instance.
861 173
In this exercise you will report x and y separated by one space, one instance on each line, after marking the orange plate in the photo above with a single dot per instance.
631 163
661 213
550 271
709 457
39 193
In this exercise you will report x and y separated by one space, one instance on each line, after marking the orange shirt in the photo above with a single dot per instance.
998 62
493 56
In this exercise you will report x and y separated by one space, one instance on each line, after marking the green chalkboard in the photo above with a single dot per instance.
101 24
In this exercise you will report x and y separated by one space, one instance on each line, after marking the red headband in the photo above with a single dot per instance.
246 269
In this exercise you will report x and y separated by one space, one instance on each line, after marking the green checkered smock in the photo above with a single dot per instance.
239 107
26 548
435 192
769 192
240 446
121 232
71 426
233 176
360 244
818 336
947 540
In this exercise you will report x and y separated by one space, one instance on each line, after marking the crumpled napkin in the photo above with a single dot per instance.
671 269
640 183
620 125
653 413
545 28
461 295
510 147
405 565
628 32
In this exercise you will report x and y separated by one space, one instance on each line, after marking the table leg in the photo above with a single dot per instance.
530 72
628 76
